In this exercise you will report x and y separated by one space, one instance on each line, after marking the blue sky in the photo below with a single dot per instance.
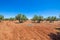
10 8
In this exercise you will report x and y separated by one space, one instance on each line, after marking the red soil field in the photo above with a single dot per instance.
12 30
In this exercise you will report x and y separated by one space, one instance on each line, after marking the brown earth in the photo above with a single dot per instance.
12 30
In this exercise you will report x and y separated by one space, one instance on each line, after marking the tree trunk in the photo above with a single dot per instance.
0 20
33 21
20 21
51 21
38 21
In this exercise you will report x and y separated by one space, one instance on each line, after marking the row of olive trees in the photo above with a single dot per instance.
51 19
21 18
38 19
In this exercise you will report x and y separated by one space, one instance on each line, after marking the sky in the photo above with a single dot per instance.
10 8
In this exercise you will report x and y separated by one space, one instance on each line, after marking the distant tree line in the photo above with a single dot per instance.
21 18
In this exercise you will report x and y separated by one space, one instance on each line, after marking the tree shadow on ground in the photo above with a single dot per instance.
54 36
18 22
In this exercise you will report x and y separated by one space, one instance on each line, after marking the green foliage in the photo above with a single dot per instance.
24 18
40 18
48 18
51 18
1 17
6 18
58 19
35 18
21 18
11 19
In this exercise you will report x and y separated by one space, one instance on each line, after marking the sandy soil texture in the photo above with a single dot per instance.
12 30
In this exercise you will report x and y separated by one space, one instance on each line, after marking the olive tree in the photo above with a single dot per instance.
1 17
21 18
35 18
51 19
40 18
48 18
54 18
24 18
11 19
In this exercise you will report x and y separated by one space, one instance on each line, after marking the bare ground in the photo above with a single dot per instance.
12 30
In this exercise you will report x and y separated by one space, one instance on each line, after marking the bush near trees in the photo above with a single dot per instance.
21 18
1 17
